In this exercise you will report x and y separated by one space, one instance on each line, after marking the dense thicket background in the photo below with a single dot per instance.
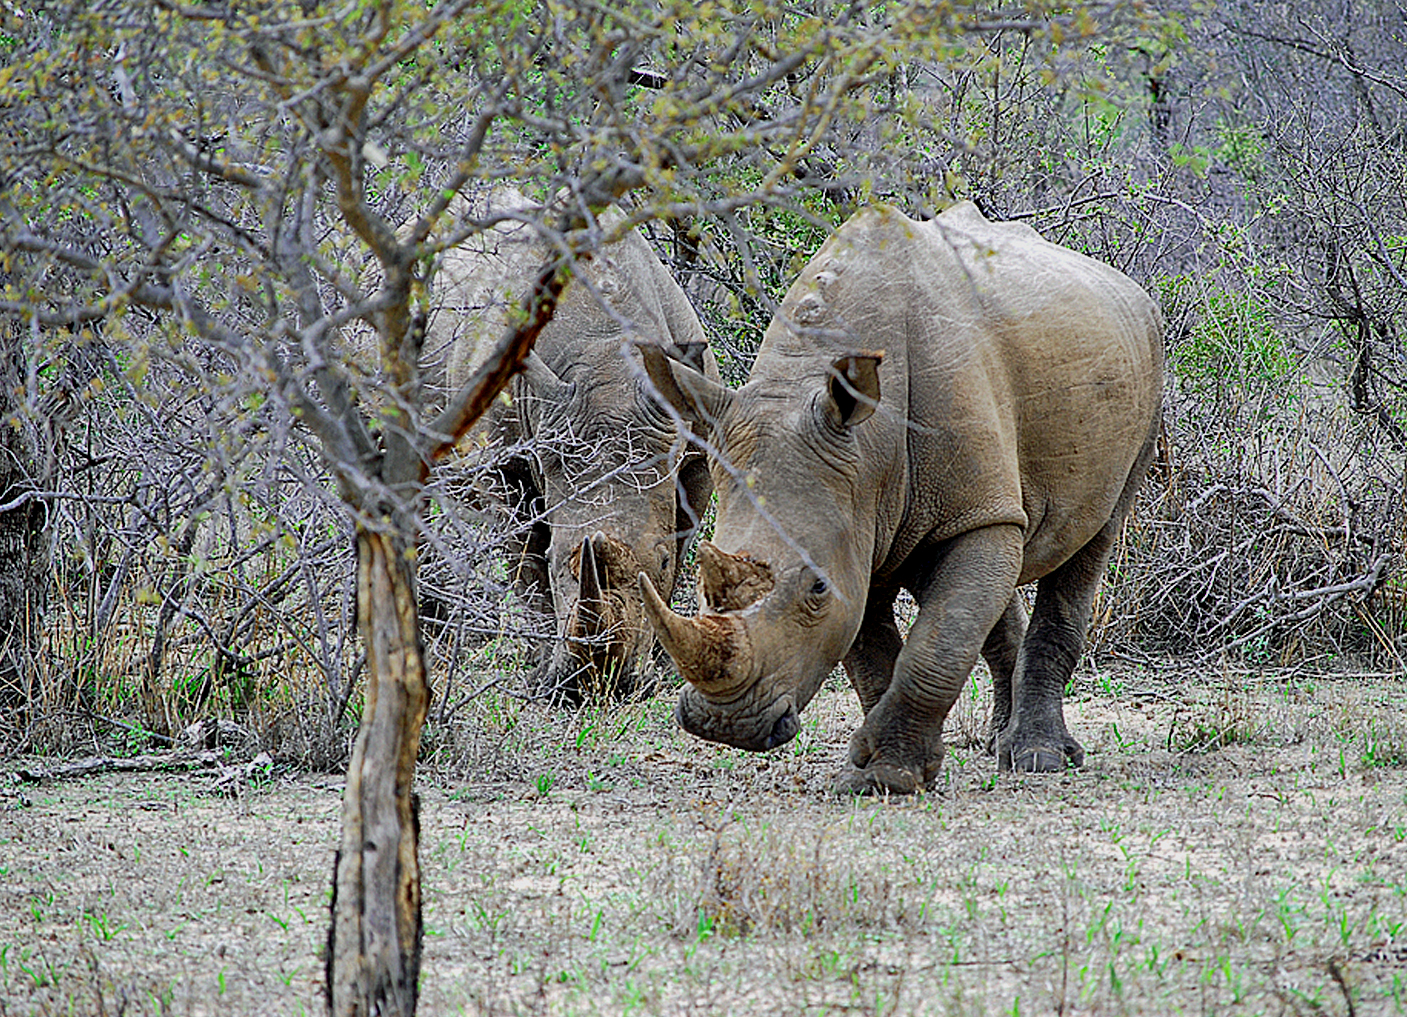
1247 163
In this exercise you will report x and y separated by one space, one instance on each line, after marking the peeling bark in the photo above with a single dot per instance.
373 957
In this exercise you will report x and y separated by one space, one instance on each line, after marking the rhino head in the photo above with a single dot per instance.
591 470
609 464
784 582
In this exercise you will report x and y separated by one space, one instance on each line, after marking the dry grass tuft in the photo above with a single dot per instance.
788 880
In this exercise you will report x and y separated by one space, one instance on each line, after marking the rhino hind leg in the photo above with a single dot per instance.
1001 651
1035 739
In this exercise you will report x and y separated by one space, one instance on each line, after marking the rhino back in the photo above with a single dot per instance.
622 292
1019 383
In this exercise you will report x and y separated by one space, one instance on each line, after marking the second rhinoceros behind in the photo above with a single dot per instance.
953 407
601 482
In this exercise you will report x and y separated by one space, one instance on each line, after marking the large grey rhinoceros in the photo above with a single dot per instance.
601 481
953 407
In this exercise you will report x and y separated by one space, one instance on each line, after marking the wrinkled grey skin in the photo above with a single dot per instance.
954 408
599 479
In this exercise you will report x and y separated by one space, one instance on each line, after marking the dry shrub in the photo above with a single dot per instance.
1366 728
968 724
203 569
1230 718
1350 719
1216 562
1272 527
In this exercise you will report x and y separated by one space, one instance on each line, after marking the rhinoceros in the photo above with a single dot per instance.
599 479
953 407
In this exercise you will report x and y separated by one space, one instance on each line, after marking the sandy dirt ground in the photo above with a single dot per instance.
1229 853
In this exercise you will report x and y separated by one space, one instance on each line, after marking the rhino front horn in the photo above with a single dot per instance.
590 602
710 651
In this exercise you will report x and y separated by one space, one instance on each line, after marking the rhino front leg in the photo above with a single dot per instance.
694 486
526 546
870 660
530 576
527 549
1035 739
899 747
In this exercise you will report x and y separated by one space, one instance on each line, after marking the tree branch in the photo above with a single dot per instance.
477 394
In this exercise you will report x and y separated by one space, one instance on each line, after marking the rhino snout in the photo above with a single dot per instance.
785 729
754 731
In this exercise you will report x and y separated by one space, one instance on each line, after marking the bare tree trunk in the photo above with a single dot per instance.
373 955
373 958
24 564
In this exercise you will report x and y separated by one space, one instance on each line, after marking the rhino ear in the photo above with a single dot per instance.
691 354
853 387
693 394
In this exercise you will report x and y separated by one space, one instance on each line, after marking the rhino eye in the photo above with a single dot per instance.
819 588
664 560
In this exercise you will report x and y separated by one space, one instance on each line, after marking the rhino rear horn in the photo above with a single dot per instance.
545 383
731 582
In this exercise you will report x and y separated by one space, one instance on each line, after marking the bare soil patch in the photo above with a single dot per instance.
1236 850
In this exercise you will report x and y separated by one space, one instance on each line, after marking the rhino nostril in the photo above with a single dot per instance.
784 730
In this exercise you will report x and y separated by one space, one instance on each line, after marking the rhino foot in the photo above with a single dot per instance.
878 779
893 752
1042 758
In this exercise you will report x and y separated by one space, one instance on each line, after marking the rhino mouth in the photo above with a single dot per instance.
757 731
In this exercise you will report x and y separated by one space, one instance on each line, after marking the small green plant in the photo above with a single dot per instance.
38 906
1232 343
585 735
544 783
1383 748
1231 721
41 973
104 929
1120 742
